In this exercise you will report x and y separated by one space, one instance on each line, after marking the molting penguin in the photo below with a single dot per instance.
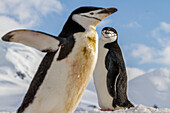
110 76
65 70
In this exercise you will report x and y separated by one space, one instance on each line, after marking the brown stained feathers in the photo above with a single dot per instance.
80 72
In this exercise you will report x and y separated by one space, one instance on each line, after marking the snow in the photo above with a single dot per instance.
137 109
149 89
133 73
15 58
152 88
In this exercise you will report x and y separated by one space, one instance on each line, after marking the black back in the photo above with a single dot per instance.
116 76
67 42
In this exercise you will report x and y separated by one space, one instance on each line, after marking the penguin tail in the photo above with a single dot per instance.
126 104
129 104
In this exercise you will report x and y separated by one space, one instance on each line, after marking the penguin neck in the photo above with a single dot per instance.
70 28
113 46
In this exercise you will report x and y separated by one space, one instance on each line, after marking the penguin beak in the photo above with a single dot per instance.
106 12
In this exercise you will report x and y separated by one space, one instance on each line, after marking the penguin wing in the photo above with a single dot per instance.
112 75
38 40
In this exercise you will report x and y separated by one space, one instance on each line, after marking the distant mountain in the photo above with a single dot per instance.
133 73
18 64
19 58
151 89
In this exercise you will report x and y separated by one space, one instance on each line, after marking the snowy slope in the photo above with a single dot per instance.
133 73
152 88
16 61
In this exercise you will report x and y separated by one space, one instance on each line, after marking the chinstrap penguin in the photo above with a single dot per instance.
65 70
110 76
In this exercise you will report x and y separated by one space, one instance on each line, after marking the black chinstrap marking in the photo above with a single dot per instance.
105 36
92 17
109 29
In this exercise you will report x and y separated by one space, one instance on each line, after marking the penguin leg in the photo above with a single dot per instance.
38 40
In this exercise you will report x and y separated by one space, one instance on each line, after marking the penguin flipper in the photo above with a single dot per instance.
38 40
122 99
112 75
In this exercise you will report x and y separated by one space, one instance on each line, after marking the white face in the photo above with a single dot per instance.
108 36
91 18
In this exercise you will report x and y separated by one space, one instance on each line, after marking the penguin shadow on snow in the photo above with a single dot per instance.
65 70
110 77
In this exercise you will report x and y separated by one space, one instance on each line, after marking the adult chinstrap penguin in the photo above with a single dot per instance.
66 68
110 76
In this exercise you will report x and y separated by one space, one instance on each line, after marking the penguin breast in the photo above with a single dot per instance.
81 65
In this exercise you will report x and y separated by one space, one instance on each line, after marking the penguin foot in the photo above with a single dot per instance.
106 110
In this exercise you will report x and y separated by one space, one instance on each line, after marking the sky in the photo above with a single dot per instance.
143 26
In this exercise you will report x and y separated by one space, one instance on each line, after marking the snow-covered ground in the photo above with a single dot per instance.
137 109
18 64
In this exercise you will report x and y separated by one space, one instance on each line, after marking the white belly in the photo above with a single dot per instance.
66 80
100 78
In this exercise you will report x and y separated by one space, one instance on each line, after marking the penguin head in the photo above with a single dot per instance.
109 35
91 16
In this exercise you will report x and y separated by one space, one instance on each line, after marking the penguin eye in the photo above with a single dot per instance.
92 13
104 31
107 32
114 34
